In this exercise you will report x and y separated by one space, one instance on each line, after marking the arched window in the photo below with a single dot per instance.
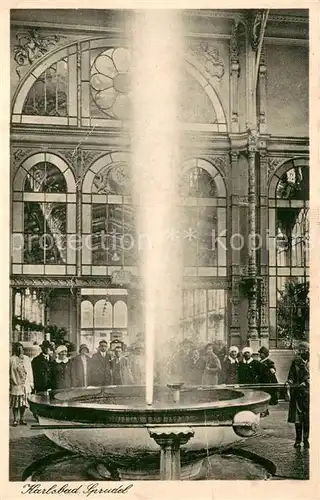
203 196
108 214
100 69
120 314
288 252
43 219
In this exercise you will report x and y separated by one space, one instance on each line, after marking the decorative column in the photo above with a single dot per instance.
262 94
234 75
252 255
264 237
170 439
235 251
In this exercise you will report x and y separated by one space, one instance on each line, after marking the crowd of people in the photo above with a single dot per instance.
202 366
115 364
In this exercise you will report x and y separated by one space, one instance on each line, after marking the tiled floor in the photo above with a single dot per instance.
274 442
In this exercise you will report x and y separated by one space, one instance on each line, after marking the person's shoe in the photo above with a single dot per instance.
297 444
14 423
23 422
306 444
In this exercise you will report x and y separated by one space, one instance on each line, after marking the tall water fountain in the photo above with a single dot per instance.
163 431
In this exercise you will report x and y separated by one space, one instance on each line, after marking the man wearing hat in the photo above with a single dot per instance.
100 366
268 375
249 368
42 367
299 384
79 368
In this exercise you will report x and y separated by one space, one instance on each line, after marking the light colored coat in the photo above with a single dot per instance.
18 386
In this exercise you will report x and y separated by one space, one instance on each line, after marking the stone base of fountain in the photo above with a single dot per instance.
230 465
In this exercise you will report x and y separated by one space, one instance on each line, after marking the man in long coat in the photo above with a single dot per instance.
100 366
42 368
299 384
79 368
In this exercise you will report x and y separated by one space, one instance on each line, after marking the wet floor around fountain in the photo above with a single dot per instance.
274 442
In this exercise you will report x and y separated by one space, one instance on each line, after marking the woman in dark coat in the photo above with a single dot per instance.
299 384
249 368
268 374
60 373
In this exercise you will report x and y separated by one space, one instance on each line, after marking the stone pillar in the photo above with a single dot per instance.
170 439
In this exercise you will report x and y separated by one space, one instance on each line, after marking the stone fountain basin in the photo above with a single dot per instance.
127 441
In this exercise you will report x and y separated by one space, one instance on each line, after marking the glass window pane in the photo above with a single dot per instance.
86 314
45 178
294 184
102 314
120 315
48 95
197 182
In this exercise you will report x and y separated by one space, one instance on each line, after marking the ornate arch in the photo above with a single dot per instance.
283 167
211 93
69 53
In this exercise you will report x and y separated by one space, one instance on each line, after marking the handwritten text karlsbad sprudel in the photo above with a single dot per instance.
82 489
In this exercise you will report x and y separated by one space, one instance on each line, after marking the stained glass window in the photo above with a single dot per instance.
203 217
110 83
200 223
289 255
198 182
45 233
48 95
113 235
45 178
43 220
113 179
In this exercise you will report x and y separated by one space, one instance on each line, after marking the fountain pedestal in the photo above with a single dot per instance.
170 439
